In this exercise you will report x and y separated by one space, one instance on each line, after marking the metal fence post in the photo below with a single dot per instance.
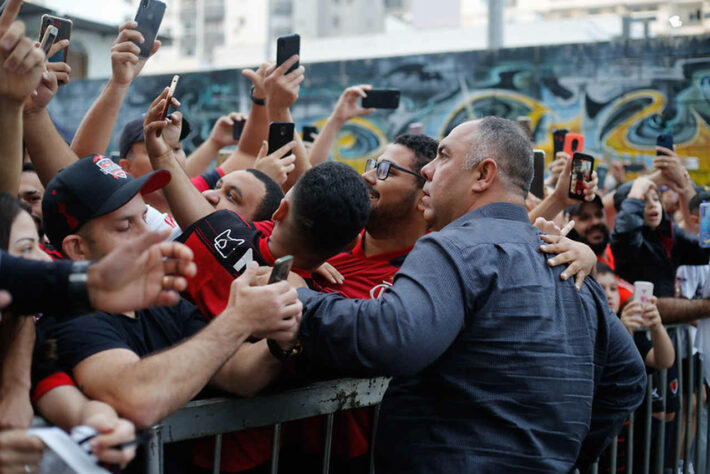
682 410
154 451
630 446
689 404
275 448
698 412
647 428
373 438
328 442
217 461
661 438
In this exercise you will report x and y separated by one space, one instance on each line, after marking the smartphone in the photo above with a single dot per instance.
238 129
574 142
64 27
705 224
538 182
171 94
287 46
634 167
281 268
602 171
643 291
307 131
582 168
280 133
416 128
558 141
149 16
665 140
50 35
381 99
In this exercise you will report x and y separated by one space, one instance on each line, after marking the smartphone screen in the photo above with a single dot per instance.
574 142
149 16
281 268
582 168
665 140
280 133
238 129
308 132
558 141
381 99
63 26
538 182
705 224
287 46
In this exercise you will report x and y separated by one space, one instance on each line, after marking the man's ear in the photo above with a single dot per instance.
125 164
485 173
76 248
419 202
282 211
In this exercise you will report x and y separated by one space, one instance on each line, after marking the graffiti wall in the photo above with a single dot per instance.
620 95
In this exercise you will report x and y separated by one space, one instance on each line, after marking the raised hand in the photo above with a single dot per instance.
276 165
21 61
223 131
147 271
282 89
125 62
257 78
153 124
632 316
641 187
348 105
563 182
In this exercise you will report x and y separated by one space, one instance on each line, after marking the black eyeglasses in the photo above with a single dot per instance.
383 169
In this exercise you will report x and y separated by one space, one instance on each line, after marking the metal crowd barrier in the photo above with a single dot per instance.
216 416
693 450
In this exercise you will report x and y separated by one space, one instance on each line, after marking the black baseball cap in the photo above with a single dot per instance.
575 209
133 133
90 188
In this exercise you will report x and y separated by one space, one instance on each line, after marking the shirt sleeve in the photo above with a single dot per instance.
620 385
35 286
398 334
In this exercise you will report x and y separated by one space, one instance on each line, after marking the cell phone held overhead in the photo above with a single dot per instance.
581 173
64 27
50 36
287 46
381 99
149 17
171 94
280 133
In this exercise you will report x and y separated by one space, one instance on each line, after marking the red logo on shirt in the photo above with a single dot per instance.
376 291
674 386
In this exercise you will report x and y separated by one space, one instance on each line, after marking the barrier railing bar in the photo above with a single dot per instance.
689 404
328 443
276 449
698 412
630 446
595 468
647 428
614 452
217 461
154 451
680 415
373 438
661 438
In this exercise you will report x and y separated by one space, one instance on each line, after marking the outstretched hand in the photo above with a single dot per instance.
276 165
348 106
156 143
126 63
563 183
144 272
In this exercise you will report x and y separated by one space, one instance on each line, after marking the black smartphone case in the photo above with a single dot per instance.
287 46
538 182
381 99
665 140
149 16
280 133
558 141
64 27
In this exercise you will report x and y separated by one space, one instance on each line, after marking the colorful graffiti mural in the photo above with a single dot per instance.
620 95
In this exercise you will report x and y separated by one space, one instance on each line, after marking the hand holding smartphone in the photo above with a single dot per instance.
581 173
50 36
287 46
64 27
149 17
665 140
171 94
281 268
280 133
380 99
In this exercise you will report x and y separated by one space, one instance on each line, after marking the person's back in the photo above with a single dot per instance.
517 383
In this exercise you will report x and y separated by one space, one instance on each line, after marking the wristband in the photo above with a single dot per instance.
77 291
256 100
281 354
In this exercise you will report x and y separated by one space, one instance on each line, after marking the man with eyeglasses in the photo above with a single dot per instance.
499 364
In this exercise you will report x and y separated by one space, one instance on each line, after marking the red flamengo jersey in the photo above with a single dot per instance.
364 278
224 244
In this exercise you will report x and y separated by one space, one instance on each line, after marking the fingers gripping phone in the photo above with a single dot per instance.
149 17
665 140
308 132
171 94
381 99
574 142
643 291
50 36
63 26
582 168
281 268
287 46
280 133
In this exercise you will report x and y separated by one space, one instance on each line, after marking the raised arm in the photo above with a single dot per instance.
346 109
94 132
186 203
18 337
222 135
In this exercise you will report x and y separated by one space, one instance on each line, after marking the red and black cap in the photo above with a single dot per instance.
90 188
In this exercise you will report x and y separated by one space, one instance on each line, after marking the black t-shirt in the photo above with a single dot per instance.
151 330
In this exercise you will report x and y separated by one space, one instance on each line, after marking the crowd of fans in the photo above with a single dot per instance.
128 351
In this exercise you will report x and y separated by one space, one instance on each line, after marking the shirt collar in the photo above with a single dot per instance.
496 210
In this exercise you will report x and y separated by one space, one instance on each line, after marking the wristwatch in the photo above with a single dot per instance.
281 354
77 291
256 100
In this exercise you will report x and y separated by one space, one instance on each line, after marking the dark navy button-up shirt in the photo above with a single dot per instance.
496 361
